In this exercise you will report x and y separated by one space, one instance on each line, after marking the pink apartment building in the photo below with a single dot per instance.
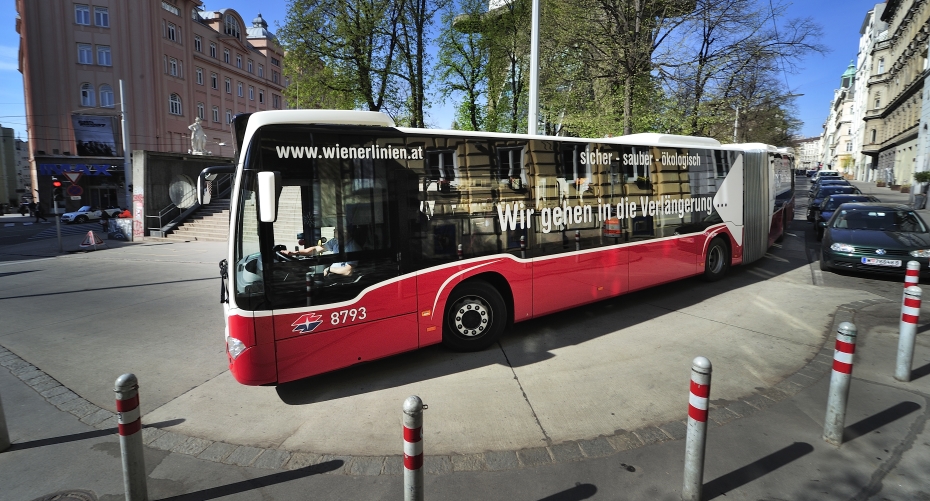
177 62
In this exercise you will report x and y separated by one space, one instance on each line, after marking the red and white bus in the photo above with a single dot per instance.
452 236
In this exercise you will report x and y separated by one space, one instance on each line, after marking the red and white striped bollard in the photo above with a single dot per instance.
839 383
129 418
413 448
907 333
696 439
912 275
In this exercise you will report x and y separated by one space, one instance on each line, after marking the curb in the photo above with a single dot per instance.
721 413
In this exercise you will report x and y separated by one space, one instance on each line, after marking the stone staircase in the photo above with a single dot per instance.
209 224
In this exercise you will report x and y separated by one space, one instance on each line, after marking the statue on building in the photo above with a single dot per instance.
198 137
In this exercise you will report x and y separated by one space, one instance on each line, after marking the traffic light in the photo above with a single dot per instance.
56 190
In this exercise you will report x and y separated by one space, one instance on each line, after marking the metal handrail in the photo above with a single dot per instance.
164 213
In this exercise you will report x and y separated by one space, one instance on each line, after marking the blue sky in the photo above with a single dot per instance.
817 77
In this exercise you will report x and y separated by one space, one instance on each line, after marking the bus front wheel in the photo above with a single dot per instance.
475 317
717 260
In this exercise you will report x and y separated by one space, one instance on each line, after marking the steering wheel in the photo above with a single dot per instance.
282 256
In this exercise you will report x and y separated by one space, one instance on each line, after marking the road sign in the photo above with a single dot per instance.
72 176
75 190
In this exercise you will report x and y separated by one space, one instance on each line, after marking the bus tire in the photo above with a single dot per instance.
717 260
475 317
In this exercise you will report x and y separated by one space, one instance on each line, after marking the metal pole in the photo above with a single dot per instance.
736 123
839 383
4 434
127 154
534 71
696 438
57 223
129 420
413 448
309 282
910 314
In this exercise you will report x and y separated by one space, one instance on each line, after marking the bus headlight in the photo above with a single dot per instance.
234 347
921 253
838 247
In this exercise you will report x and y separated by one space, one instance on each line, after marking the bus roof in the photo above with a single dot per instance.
375 118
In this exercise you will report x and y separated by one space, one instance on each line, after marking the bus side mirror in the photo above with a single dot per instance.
268 196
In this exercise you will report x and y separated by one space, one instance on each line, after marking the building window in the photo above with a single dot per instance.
228 86
198 43
251 93
87 94
173 67
213 50
216 114
881 66
275 101
199 76
200 111
103 56
261 71
848 145
878 102
249 66
106 96
213 81
276 62
239 85
274 76
172 32
102 17
261 96
231 26
238 61
84 54
82 14
226 56
228 116
174 104
874 134
170 8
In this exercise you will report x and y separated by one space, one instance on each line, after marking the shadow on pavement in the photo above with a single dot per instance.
536 340
757 469
42 442
258 483
920 371
876 421
579 491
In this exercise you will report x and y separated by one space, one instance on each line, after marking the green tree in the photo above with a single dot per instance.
463 62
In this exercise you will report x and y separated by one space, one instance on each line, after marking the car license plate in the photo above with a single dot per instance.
881 262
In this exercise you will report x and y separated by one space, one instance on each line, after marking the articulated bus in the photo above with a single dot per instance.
451 236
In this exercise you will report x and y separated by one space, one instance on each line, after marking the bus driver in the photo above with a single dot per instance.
344 268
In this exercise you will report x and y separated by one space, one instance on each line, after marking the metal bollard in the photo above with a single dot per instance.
912 276
4 434
907 336
577 239
459 251
839 383
130 437
413 448
696 440
523 246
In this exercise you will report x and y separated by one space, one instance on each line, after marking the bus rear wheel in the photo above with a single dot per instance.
475 317
717 261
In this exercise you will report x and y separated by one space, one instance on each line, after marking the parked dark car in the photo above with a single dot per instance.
875 237
827 181
831 203
813 205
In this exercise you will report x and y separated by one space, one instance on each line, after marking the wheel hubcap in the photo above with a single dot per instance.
472 317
